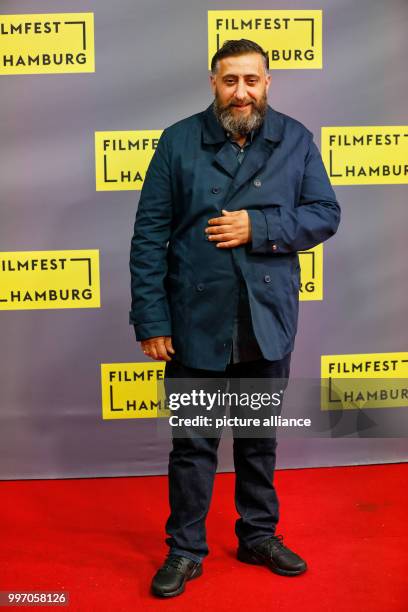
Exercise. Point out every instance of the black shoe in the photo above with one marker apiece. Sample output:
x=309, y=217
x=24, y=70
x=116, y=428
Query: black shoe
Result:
x=171, y=578
x=275, y=555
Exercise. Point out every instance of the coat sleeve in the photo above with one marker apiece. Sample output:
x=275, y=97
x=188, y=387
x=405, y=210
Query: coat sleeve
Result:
x=281, y=229
x=148, y=262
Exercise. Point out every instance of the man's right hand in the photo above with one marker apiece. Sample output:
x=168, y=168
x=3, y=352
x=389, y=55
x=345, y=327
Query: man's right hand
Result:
x=159, y=347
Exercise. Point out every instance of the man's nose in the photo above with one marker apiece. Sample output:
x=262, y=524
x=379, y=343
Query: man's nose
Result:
x=240, y=92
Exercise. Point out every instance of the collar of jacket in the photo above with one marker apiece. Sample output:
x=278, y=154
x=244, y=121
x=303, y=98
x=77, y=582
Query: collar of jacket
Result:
x=213, y=132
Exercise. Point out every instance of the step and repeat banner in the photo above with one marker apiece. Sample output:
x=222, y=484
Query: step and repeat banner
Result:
x=86, y=89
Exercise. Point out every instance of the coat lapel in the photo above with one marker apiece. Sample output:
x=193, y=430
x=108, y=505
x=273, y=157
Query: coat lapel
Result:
x=255, y=158
x=227, y=158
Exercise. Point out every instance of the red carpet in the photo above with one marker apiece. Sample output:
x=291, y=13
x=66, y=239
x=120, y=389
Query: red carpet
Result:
x=102, y=539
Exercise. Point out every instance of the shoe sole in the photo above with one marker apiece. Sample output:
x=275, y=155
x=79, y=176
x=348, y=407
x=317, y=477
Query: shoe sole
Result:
x=196, y=574
x=247, y=557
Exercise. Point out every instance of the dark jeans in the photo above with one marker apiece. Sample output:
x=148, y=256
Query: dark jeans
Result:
x=193, y=464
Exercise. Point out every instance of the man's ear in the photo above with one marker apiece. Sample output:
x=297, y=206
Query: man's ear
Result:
x=212, y=82
x=268, y=81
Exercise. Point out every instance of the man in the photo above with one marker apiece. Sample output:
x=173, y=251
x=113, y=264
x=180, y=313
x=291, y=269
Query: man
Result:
x=230, y=196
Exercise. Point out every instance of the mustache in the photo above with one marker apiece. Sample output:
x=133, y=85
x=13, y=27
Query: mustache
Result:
x=239, y=104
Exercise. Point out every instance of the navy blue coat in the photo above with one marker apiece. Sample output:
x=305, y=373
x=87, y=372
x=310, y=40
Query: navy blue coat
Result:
x=182, y=284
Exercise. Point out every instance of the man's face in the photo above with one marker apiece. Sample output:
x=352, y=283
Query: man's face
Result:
x=240, y=88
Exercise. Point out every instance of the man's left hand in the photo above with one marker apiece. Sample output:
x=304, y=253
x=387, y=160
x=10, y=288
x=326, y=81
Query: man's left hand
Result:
x=230, y=230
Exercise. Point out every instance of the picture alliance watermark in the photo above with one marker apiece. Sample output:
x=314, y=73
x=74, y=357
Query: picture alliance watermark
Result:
x=221, y=422
x=209, y=400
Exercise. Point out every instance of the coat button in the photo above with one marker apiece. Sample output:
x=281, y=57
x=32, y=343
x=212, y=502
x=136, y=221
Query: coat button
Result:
x=200, y=287
x=274, y=247
x=267, y=278
x=216, y=190
x=257, y=182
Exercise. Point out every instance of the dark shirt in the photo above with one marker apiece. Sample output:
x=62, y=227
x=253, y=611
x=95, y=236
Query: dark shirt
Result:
x=244, y=346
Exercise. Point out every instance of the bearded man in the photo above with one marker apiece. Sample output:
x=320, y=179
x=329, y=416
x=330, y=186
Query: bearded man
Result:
x=230, y=197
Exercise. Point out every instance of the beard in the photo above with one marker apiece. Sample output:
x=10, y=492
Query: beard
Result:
x=241, y=125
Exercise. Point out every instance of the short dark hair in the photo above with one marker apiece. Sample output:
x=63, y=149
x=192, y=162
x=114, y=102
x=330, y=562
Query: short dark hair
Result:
x=238, y=47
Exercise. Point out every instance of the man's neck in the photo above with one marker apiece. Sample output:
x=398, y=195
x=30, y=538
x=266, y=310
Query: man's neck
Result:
x=239, y=138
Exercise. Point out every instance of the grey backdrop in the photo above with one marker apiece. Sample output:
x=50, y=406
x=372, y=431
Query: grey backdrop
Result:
x=151, y=70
